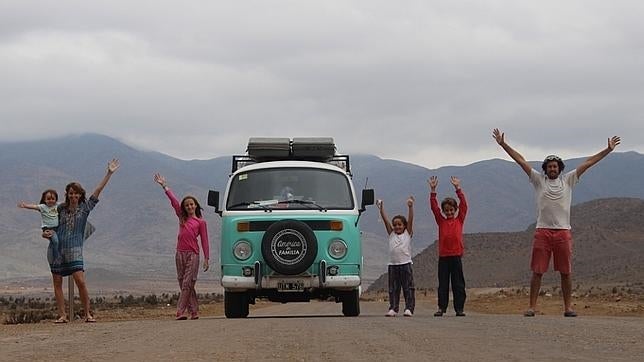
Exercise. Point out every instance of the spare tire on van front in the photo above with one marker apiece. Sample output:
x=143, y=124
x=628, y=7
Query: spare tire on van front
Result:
x=289, y=247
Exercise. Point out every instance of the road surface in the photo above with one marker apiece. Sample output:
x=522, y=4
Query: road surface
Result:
x=317, y=332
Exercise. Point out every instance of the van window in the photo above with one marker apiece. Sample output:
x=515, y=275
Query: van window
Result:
x=290, y=188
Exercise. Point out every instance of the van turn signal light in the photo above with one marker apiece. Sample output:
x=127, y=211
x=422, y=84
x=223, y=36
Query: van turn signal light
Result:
x=335, y=225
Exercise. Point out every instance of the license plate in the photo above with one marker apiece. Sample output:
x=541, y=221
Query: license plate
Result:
x=290, y=286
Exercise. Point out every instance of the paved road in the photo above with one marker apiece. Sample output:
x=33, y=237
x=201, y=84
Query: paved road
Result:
x=317, y=332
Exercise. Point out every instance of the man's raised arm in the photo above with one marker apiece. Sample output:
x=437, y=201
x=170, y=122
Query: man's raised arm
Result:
x=516, y=156
x=612, y=143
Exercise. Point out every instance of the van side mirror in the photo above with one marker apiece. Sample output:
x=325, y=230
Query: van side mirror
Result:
x=367, y=197
x=213, y=200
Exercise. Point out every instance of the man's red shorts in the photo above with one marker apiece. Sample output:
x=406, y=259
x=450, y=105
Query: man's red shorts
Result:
x=557, y=242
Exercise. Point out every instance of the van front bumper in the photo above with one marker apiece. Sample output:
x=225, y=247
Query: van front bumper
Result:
x=239, y=283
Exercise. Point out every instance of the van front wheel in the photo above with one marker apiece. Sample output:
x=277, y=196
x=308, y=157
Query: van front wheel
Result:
x=351, y=303
x=236, y=304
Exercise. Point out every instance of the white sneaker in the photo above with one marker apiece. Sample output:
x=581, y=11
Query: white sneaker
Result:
x=391, y=313
x=408, y=313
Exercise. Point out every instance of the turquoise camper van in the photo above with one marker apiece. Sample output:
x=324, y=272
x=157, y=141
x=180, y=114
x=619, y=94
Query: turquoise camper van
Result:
x=289, y=229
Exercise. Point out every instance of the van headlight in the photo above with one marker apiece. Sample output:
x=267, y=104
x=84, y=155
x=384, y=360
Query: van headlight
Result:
x=337, y=249
x=242, y=250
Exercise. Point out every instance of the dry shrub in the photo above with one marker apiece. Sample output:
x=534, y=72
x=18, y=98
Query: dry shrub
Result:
x=28, y=316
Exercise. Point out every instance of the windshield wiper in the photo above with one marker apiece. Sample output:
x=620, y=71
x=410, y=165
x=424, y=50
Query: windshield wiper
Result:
x=254, y=203
x=304, y=202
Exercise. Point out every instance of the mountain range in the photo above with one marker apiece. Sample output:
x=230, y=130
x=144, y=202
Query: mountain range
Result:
x=136, y=228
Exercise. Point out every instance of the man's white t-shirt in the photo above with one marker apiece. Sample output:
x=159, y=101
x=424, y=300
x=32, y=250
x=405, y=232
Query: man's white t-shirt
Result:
x=399, y=248
x=553, y=198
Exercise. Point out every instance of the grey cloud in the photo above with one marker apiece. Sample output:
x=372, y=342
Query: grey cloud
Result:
x=399, y=80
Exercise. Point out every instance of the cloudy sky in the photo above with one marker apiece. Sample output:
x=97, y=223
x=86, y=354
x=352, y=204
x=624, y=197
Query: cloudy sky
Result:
x=420, y=81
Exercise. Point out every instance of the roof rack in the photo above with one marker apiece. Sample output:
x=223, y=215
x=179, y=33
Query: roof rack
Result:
x=317, y=149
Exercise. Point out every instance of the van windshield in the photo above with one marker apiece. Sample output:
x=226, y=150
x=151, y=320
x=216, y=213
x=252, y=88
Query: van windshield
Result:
x=290, y=188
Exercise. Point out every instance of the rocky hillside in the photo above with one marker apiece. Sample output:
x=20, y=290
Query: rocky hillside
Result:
x=608, y=247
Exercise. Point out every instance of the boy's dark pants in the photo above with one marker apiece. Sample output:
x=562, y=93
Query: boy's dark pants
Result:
x=451, y=267
x=401, y=276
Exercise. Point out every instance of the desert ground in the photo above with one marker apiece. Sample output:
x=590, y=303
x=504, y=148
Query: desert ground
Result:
x=610, y=326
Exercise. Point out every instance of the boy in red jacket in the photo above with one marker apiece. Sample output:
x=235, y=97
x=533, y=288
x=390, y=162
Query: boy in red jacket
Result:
x=450, y=246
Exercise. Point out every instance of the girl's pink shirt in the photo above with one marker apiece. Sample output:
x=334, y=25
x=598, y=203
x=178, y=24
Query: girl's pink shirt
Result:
x=189, y=230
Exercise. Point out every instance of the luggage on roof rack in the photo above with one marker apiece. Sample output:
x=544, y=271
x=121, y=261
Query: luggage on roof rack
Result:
x=316, y=148
x=302, y=148
x=264, y=148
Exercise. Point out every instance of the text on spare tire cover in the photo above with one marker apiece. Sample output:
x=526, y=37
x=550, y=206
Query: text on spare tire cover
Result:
x=288, y=247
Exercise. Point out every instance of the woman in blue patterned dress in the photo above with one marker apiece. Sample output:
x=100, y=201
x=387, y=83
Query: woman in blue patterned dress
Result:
x=72, y=216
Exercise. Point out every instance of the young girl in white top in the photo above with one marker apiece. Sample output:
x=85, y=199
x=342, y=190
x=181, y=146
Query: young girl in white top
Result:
x=48, y=208
x=400, y=272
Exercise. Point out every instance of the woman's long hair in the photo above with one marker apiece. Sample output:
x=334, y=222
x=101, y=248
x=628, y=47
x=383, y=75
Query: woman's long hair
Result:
x=77, y=188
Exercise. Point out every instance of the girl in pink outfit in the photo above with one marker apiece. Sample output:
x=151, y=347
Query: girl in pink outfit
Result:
x=191, y=226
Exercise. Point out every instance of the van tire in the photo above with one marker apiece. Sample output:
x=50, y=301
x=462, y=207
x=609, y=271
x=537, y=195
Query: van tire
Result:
x=291, y=231
x=236, y=304
x=351, y=303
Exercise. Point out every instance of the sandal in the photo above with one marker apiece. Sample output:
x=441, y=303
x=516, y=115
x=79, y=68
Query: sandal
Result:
x=181, y=318
x=194, y=317
x=570, y=313
x=90, y=319
x=528, y=313
x=61, y=320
